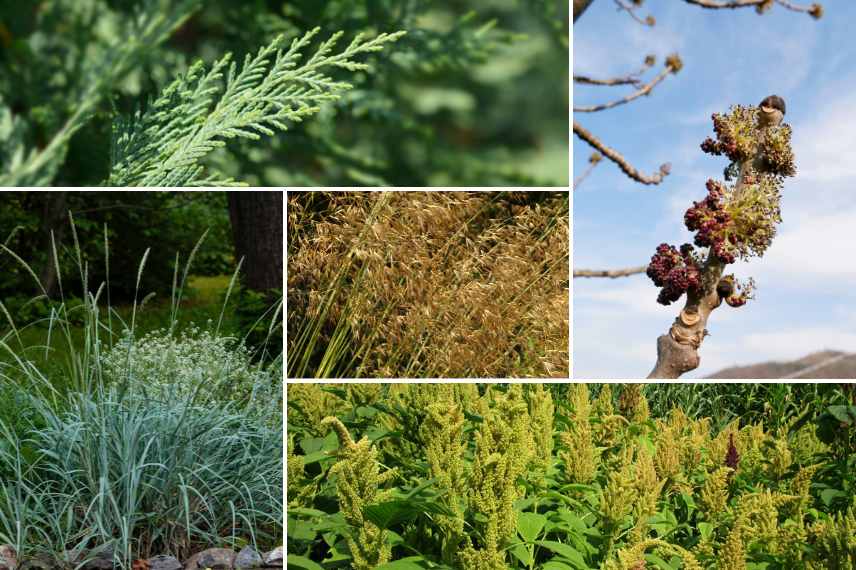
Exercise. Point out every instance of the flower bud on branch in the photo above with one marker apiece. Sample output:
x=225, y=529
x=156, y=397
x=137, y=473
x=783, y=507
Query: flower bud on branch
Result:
x=737, y=219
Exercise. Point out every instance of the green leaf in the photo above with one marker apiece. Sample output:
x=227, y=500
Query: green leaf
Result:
x=829, y=495
x=663, y=523
x=365, y=412
x=301, y=530
x=557, y=565
x=564, y=550
x=844, y=414
x=392, y=513
x=409, y=563
x=295, y=561
x=705, y=529
x=315, y=457
x=522, y=553
x=654, y=559
x=530, y=525
x=311, y=445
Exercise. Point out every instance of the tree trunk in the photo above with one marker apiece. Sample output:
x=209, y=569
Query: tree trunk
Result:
x=257, y=229
x=54, y=221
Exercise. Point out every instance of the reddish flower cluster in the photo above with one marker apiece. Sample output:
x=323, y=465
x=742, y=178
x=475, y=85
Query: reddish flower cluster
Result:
x=710, y=221
x=675, y=271
x=732, y=457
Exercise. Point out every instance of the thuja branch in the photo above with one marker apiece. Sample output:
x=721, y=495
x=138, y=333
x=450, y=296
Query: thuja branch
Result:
x=616, y=157
x=200, y=111
x=154, y=24
x=736, y=220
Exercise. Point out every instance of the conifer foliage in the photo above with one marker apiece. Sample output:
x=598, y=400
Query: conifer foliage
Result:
x=130, y=92
x=162, y=145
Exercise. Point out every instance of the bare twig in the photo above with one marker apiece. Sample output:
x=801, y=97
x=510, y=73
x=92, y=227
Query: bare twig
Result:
x=629, y=79
x=580, y=6
x=647, y=21
x=610, y=273
x=594, y=160
x=814, y=10
x=616, y=157
x=673, y=65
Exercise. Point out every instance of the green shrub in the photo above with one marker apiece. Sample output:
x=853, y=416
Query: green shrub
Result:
x=194, y=365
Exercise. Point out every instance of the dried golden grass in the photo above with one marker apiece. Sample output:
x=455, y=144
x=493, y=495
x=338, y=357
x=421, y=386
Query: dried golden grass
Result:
x=428, y=284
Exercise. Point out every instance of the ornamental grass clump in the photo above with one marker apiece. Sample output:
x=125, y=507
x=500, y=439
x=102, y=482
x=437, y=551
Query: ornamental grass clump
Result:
x=135, y=447
x=428, y=284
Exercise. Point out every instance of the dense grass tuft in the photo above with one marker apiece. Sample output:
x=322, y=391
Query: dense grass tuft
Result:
x=428, y=284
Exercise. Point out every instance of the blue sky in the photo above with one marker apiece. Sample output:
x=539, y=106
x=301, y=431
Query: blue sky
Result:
x=806, y=296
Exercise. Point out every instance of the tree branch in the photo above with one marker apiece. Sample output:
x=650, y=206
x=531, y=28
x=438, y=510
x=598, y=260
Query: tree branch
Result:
x=610, y=273
x=814, y=10
x=594, y=160
x=580, y=6
x=629, y=79
x=647, y=21
x=673, y=65
x=622, y=163
x=762, y=160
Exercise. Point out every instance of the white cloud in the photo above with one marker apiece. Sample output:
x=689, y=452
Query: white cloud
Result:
x=627, y=47
x=627, y=296
x=816, y=247
x=824, y=142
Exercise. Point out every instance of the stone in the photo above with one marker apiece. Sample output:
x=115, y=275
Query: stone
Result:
x=164, y=562
x=100, y=562
x=8, y=557
x=213, y=558
x=99, y=559
x=38, y=563
x=248, y=558
x=274, y=557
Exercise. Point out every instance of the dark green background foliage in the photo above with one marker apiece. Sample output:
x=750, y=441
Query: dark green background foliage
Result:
x=475, y=93
x=166, y=222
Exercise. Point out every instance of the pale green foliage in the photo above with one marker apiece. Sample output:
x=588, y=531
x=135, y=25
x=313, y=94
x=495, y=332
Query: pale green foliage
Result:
x=156, y=21
x=145, y=474
x=200, y=111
